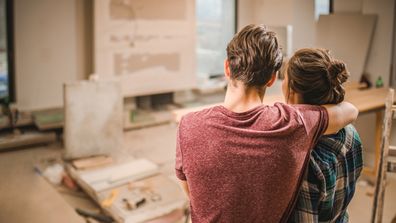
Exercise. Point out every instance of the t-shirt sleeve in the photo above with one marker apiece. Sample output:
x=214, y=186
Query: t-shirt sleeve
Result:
x=315, y=119
x=179, y=156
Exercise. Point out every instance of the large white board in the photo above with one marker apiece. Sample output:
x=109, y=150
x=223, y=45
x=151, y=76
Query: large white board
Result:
x=348, y=36
x=149, y=45
x=93, y=118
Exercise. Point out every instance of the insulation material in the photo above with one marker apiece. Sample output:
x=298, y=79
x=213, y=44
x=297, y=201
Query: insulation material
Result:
x=93, y=118
x=148, y=45
x=109, y=177
x=348, y=37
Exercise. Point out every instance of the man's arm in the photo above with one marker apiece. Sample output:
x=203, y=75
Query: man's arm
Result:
x=340, y=115
x=184, y=185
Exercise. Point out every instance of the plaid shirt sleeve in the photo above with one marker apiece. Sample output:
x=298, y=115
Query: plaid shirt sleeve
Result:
x=329, y=181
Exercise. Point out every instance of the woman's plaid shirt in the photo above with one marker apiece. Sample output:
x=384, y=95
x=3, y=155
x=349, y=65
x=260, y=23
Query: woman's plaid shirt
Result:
x=329, y=181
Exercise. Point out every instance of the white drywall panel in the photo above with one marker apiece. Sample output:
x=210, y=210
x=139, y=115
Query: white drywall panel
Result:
x=348, y=36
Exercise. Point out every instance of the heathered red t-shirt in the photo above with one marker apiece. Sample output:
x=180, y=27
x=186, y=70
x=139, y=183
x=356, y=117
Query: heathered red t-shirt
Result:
x=246, y=167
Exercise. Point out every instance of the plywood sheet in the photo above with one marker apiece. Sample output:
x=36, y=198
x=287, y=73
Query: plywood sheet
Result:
x=148, y=45
x=162, y=196
x=93, y=118
x=45, y=52
x=115, y=175
x=348, y=36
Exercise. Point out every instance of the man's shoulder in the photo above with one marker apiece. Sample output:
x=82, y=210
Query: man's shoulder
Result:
x=193, y=120
x=197, y=115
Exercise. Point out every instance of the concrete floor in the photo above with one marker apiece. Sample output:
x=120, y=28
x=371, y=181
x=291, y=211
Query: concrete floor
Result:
x=26, y=197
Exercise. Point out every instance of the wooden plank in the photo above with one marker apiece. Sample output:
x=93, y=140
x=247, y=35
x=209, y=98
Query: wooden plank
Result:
x=26, y=139
x=372, y=171
x=92, y=162
x=367, y=100
x=117, y=174
x=380, y=185
x=24, y=119
x=350, y=85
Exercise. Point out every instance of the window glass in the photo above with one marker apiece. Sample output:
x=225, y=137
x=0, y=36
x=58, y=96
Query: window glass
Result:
x=322, y=7
x=3, y=51
x=215, y=28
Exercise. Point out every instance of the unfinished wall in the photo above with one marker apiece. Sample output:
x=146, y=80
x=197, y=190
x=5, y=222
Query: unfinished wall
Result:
x=348, y=6
x=299, y=14
x=148, y=45
x=244, y=13
x=48, y=46
x=379, y=58
x=304, y=24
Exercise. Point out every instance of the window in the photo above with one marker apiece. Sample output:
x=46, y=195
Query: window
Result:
x=216, y=24
x=322, y=7
x=6, y=52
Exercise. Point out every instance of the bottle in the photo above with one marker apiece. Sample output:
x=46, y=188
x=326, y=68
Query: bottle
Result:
x=379, y=83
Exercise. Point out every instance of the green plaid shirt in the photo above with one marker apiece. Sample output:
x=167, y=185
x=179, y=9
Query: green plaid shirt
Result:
x=329, y=181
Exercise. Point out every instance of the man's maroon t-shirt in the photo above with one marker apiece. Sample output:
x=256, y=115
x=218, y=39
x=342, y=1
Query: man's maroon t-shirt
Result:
x=246, y=167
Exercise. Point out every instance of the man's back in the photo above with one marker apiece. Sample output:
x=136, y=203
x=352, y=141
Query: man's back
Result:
x=246, y=167
x=329, y=182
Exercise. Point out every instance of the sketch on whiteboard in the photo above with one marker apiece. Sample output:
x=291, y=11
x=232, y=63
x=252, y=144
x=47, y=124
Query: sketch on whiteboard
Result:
x=148, y=9
x=148, y=45
x=137, y=62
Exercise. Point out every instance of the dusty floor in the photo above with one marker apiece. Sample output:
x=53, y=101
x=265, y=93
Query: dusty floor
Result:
x=26, y=197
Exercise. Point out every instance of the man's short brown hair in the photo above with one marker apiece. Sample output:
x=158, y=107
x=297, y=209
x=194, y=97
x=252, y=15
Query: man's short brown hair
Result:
x=254, y=55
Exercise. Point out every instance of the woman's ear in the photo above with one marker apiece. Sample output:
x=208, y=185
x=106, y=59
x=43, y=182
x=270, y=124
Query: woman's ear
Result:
x=271, y=81
x=227, y=72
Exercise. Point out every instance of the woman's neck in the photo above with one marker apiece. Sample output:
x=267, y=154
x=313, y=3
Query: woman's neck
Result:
x=240, y=99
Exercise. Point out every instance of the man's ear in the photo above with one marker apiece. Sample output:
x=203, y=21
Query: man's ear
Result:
x=227, y=71
x=271, y=81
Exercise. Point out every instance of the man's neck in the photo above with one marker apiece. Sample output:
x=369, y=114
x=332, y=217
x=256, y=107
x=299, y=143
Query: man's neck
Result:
x=240, y=99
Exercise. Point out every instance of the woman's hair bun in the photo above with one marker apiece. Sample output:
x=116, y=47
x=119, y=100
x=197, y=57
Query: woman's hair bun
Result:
x=338, y=72
x=337, y=75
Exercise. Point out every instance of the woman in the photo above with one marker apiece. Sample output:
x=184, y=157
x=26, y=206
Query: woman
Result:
x=315, y=77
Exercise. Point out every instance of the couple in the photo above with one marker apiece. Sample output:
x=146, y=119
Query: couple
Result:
x=248, y=162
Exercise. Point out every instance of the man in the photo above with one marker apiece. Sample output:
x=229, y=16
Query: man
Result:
x=243, y=161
